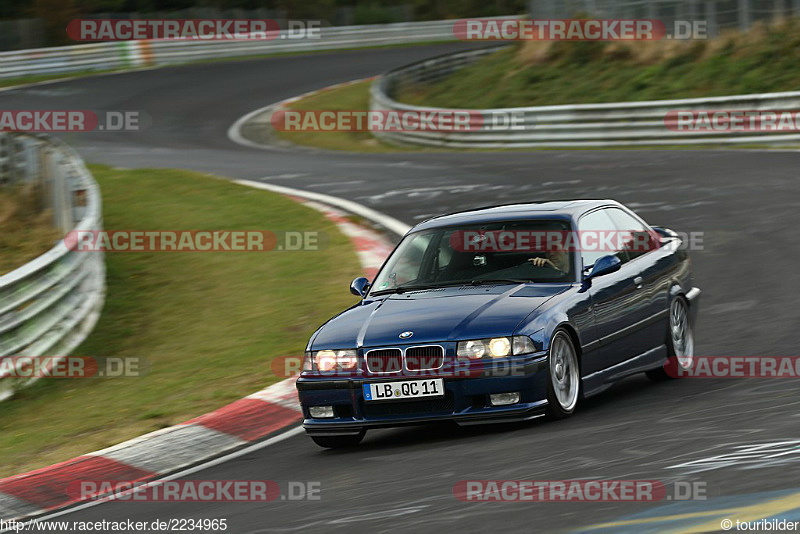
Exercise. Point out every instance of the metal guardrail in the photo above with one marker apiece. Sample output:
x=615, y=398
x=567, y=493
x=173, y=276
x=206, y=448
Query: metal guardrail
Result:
x=578, y=125
x=130, y=54
x=49, y=305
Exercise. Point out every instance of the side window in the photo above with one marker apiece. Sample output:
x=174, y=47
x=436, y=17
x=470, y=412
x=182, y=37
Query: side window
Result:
x=597, y=223
x=636, y=238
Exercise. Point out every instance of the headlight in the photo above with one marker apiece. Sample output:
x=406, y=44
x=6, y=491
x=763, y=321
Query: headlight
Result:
x=522, y=345
x=472, y=349
x=331, y=360
x=497, y=347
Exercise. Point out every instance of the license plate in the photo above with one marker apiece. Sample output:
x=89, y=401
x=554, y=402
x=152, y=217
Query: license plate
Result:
x=407, y=389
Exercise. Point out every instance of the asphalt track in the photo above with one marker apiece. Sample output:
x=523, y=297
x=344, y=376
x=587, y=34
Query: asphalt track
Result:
x=745, y=203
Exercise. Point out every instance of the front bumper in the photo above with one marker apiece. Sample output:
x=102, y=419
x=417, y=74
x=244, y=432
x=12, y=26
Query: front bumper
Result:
x=693, y=296
x=466, y=401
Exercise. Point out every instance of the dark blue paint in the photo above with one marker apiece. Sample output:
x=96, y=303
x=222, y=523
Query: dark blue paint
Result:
x=619, y=321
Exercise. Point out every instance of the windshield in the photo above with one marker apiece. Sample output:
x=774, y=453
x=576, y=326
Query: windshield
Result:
x=512, y=251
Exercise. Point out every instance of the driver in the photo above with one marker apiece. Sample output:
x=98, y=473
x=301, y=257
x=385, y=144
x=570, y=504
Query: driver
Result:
x=556, y=258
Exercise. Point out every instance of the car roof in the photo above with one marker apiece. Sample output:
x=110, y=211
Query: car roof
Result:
x=551, y=209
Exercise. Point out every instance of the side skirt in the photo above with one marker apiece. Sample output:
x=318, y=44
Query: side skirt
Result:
x=602, y=380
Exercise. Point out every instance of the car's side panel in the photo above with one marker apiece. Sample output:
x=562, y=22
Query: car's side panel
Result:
x=618, y=304
x=571, y=309
x=666, y=274
x=657, y=271
x=603, y=379
x=619, y=309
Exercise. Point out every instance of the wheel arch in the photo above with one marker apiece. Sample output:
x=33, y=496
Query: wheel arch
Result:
x=573, y=335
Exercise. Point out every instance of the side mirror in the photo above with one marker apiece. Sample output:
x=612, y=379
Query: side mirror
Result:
x=359, y=287
x=604, y=265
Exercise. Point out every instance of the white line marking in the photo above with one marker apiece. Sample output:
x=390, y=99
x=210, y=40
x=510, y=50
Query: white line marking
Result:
x=390, y=223
x=234, y=132
x=285, y=176
x=76, y=77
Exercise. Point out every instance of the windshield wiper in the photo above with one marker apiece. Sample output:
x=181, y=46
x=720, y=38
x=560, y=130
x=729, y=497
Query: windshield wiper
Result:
x=418, y=287
x=482, y=281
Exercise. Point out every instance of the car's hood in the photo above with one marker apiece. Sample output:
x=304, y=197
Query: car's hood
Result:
x=434, y=315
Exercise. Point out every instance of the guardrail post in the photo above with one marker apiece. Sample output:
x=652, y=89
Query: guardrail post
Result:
x=532, y=11
x=781, y=9
x=17, y=159
x=744, y=14
x=652, y=11
x=545, y=9
x=31, y=155
x=63, y=206
x=692, y=10
x=55, y=187
x=711, y=18
x=5, y=160
x=77, y=196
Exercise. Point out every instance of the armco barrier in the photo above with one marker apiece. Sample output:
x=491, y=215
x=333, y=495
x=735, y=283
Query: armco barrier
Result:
x=120, y=55
x=579, y=125
x=49, y=305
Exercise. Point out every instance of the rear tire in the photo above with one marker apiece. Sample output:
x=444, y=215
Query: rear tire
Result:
x=339, y=442
x=563, y=372
x=680, y=342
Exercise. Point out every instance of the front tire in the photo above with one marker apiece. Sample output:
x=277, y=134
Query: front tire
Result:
x=680, y=342
x=564, y=382
x=339, y=442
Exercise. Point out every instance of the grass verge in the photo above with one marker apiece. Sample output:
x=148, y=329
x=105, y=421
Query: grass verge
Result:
x=27, y=230
x=764, y=59
x=207, y=323
x=345, y=98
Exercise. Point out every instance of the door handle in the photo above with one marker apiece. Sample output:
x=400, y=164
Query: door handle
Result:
x=638, y=281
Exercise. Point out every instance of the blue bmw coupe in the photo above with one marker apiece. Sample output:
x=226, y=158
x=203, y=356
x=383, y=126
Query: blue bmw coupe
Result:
x=499, y=314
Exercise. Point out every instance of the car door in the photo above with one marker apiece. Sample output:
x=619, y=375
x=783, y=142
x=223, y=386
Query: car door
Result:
x=617, y=304
x=651, y=268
